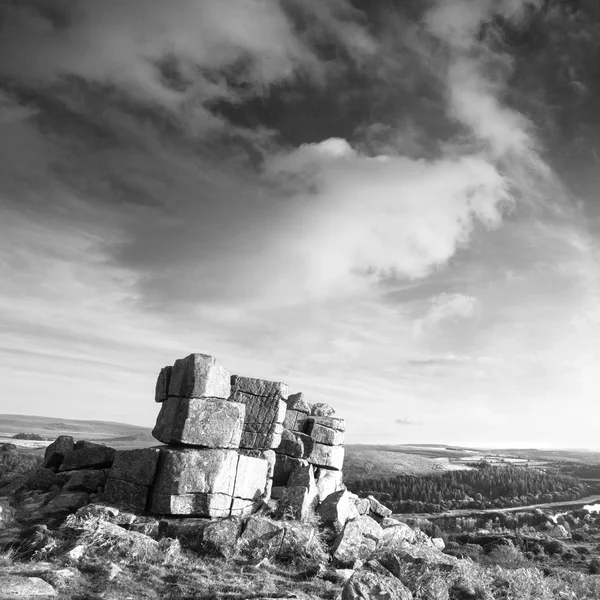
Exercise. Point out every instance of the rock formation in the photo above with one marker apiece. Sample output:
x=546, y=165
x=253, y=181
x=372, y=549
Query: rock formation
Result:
x=231, y=442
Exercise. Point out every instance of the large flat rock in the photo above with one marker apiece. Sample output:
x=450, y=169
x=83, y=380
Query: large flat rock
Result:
x=196, y=471
x=330, y=457
x=207, y=422
x=137, y=466
x=88, y=456
x=14, y=587
x=199, y=376
x=265, y=410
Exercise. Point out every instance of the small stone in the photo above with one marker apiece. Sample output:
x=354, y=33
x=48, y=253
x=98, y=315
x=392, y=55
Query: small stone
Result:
x=88, y=456
x=162, y=384
x=297, y=402
x=331, y=457
x=199, y=376
x=320, y=409
x=207, y=422
x=377, y=508
x=438, y=543
x=56, y=451
x=76, y=552
x=136, y=466
x=126, y=494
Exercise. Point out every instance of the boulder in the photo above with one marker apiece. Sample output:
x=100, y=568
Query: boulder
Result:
x=136, y=466
x=320, y=409
x=97, y=511
x=374, y=582
x=398, y=535
x=290, y=444
x=199, y=376
x=331, y=457
x=207, y=422
x=126, y=494
x=298, y=403
x=220, y=537
x=56, y=451
x=377, y=508
x=295, y=503
x=328, y=482
x=277, y=491
x=438, y=544
x=23, y=588
x=295, y=420
x=263, y=536
x=161, y=392
x=325, y=435
x=86, y=480
x=357, y=541
x=336, y=509
x=88, y=456
x=37, y=479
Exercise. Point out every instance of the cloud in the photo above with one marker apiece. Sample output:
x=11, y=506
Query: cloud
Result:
x=449, y=307
x=11, y=111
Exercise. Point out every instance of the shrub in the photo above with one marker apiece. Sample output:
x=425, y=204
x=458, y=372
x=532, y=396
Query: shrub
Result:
x=13, y=464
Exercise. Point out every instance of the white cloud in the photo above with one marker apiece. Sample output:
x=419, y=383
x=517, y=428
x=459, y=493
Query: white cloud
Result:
x=387, y=216
x=448, y=307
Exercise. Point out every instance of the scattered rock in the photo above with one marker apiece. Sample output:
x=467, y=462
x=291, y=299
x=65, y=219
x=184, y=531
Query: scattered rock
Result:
x=221, y=537
x=357, y=541
x=378, y=509
x=320, y=409
x=298, y=403
x=336, y=509
x=263, y=536
x=15, y=586
x=57, y=450
x=374, y=582
x=67, y=502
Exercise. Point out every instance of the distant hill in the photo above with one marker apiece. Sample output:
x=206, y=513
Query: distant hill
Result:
x=108, y=432
x=366, y=461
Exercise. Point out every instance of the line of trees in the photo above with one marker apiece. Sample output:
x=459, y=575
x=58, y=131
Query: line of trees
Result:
x=483, y=487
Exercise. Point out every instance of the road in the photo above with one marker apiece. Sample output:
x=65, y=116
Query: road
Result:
x=465, y=512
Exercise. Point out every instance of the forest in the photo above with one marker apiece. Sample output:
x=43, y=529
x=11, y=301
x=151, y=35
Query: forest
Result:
x=485, y=486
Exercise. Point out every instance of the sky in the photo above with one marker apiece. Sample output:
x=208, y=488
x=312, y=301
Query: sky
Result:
x=391, y=206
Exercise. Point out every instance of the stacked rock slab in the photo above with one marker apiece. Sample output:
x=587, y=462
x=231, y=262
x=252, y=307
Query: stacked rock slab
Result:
x=227, y=441
x=312, y=439
x=201, y=470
